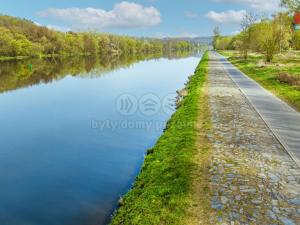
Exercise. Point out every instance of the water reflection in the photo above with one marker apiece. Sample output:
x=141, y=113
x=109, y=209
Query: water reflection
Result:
x=15, y=74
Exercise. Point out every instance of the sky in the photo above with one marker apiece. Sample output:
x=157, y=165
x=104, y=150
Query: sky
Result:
x=142, y=18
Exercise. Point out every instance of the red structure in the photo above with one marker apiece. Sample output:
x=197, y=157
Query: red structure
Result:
x=297, y=18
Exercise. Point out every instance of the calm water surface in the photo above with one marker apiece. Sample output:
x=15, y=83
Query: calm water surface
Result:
x=71, y=142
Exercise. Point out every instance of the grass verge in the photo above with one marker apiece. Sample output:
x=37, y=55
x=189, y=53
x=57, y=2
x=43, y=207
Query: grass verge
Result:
x=275, y=76
x=199, y=211
x=163, y=192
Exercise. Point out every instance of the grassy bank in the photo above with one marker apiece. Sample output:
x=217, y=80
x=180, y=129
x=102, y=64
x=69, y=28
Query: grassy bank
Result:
x=163, y=192
x=282, y=76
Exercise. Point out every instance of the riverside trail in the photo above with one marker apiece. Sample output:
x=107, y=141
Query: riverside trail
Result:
x=254, y=179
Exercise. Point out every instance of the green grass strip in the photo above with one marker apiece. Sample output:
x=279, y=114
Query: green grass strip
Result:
x=161, y=192
x=267, y=76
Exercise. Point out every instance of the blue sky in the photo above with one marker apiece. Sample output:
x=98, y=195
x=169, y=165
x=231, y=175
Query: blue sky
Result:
x=154, y=18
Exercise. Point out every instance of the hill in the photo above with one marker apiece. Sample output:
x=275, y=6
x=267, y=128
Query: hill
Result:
x=22, y=37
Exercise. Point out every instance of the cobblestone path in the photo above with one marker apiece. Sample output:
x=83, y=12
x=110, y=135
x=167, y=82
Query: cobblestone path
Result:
x=254, y=180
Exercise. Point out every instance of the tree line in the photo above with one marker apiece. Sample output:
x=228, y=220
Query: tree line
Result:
x=267, y=36
x=21, y=37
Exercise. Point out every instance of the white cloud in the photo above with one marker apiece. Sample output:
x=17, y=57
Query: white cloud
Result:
x=190, y=15
x=123, y=15
x=228, y=17
x=260, y=5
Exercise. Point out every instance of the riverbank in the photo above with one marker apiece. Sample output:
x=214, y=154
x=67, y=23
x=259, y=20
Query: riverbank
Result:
x=282, y=76
x=169, y=54
x=7, y=58
x=164, y=190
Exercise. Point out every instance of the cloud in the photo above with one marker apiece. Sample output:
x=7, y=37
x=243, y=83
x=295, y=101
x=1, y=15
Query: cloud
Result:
x=190, y=15
x=228, y=17
x=260, y=5
x=123, y=15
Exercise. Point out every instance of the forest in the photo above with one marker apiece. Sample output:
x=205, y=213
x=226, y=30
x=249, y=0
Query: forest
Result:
x=24, y=38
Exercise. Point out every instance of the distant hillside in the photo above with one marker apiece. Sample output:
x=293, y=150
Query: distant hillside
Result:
x=21, y=37
x=196, y=40
x=201, y=40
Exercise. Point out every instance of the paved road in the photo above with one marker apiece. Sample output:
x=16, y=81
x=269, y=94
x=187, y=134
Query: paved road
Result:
x=253, y=178
x=283, y=120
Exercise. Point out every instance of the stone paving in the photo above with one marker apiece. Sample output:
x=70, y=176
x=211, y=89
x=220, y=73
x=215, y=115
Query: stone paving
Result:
x=254, y=180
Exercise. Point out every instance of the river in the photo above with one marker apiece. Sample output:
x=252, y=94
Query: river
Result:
x=74, y=133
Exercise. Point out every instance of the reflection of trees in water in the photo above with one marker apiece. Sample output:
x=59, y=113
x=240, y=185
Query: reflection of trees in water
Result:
x=17, y=74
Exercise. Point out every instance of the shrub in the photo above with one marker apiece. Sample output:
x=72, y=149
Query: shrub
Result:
x=288, y=79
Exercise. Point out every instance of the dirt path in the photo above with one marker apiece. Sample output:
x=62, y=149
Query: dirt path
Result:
x=254, y=180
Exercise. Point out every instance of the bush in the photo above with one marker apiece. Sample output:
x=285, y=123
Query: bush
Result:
x=288, y=79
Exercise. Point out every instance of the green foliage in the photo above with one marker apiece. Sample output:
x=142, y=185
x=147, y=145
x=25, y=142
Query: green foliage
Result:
x=267, y=40
x=160, y=193
x=268, y=37
x=73, y=44
x=293, y=5
x=224, y=43
x=90, y=43
x=272, y=36
x=24, y=38
x=217, y=35
x=296, y=40
x=267, y=74
x=6, y=42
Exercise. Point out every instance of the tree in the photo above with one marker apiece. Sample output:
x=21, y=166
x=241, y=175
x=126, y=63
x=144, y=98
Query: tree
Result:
x=224, y=43
x=90, y=44
x=20, y=37
x=292, y=5
x=283, y=27
x=217, y=34
x=74, y=44
x=246, y=35
x=296, y=40
x=103, y=44
x=267, y=38
x=6, y=42
x=23, y=47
